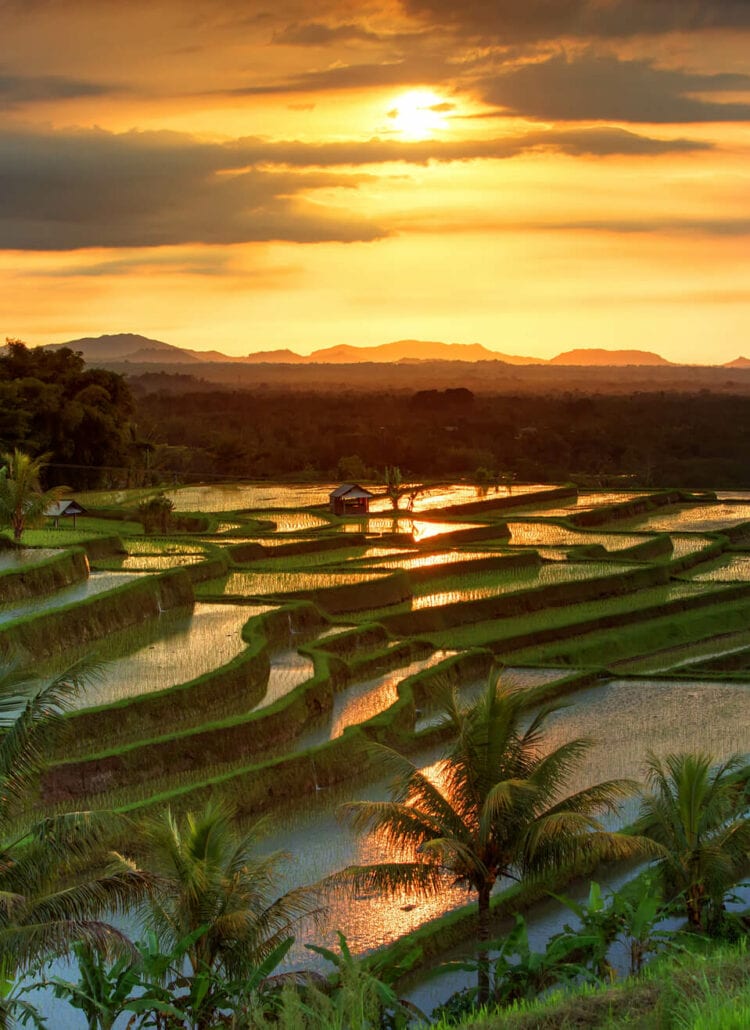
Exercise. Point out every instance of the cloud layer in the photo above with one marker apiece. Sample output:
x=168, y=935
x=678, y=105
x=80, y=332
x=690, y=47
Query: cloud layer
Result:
x=64, y=191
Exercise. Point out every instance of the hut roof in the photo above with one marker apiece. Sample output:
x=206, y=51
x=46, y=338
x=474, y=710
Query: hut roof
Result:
x=68, y=507
x=351, y=490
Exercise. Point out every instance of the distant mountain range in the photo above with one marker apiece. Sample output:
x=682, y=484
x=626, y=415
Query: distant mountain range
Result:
x=132, y=348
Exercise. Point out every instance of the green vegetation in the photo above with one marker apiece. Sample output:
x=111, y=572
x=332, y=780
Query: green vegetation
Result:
x=50, y=403
x=696, y=811
x=498, y=810
x=22, y=500
x=349, y=621
x=56, y=878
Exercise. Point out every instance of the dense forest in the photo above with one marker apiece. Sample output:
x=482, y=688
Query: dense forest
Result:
x=666, y=439
x=101, y=429
x=51, y=403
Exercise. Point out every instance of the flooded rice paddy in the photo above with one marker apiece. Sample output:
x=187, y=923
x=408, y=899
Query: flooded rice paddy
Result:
x=175, y=648
x=12, y=560
x=694, y=518
x=97, y=583
x=625, y=716
x=289, y=668
x=544, y=533
x=731, y=568
x=252, y=584
x=474, y=586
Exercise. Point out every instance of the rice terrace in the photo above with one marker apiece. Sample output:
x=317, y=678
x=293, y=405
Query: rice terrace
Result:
x=252, y=647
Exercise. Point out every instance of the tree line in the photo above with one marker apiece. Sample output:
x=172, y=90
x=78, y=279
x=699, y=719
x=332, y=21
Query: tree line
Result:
x=655, y=439
x=98, y=429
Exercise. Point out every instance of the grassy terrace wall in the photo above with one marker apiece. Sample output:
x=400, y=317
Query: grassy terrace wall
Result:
x=652, y=549
x=234, y=687
x=50, y=574
x=97, y=547
x=433, y=620
x=356, y=597
x=626, y=635
x=243, y=738
x=212, y=568
x=255, y=551
x=259, y=787
x=700, y=555
x=493, y=531
x=497, y=502
x=52, y=632
x=627, y=509
x=180, y=522
x=495, y=563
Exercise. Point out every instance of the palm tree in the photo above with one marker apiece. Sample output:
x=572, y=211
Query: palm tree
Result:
x=57, y=875
x=218, y=894
x=22, y=499
x=499, y=810
x=697, y=812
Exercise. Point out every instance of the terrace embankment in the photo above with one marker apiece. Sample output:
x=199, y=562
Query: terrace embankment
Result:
x=231, y=689
x=52, y=573
x=641, y=631
x=52, y=632
x=627, y=509
x=373, y=593
x=255, y=551
x=432, y=620
x=495, y=502
x=247, y=737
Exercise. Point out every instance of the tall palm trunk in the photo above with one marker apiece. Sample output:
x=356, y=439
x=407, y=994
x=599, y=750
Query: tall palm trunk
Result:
x=696, y=899
x=483, y=936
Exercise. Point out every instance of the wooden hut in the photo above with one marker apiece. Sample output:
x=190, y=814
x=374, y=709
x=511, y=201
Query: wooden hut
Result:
x=64, y=510
x=350, y=499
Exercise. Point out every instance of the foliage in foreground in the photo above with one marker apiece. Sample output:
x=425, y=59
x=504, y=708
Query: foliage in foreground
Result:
x=497, y=807
x=683, y=990
x=23, y=502
x=697, y=811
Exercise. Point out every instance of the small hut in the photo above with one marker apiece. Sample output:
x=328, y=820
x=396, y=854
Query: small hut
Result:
x=64, y=510
x=350, y=499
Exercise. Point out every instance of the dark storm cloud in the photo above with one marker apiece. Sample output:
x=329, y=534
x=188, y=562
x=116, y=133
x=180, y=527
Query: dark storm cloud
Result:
x=525, y=21
x=25, y=89
x=590, y=87
x=66, y=191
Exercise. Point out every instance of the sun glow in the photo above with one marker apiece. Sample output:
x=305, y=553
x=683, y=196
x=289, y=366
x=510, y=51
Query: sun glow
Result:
x=419, y=113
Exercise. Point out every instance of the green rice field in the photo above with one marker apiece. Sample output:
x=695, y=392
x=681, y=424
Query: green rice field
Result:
x=621, y=633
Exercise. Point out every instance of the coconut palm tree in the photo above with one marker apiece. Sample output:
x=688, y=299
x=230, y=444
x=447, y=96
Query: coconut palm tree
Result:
x=219, y=894
x=496, y=808
x=58, y=878
x=22, y=499
x=698, y=812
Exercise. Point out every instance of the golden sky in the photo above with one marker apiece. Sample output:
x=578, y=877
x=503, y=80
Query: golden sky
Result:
x=533, y=175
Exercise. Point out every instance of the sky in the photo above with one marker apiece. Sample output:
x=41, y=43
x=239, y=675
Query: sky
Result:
x=246, y=175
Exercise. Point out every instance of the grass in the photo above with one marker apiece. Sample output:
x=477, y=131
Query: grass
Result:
x=60, y=537
x=677, y=992
x=653, y=634
x=567, y=617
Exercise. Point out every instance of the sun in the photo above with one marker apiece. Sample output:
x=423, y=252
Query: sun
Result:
x=418, y=114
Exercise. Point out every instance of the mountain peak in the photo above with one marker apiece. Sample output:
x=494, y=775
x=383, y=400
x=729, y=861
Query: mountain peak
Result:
x=598, y=356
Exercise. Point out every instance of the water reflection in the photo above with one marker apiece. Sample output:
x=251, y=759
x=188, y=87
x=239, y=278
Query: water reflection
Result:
x=175, y=648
